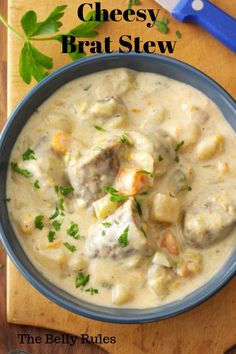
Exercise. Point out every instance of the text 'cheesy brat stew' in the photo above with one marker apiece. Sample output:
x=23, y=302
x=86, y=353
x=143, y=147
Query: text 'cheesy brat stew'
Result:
x=122, y=189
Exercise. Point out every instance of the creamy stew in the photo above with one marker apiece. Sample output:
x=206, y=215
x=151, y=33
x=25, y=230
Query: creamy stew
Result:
x=121, y=189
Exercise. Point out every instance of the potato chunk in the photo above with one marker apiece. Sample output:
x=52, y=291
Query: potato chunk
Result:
x=208, y=147
x=165, y=208
x=120, y=294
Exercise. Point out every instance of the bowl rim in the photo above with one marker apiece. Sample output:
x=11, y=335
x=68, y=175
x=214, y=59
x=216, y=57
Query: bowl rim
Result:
x=184, y=306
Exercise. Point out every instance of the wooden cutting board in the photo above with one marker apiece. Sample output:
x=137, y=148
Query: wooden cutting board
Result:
x=210, y=328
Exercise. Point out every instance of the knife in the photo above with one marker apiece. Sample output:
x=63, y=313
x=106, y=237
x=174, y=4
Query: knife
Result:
x=202, y=12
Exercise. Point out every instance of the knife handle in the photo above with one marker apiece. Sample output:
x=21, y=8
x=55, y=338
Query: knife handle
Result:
x=210, y=17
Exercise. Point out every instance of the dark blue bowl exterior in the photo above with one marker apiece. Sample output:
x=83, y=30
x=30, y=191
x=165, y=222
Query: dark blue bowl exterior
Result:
x=140, y=62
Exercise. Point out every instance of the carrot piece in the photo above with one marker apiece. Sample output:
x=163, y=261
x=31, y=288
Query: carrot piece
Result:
x=129, y=181
x=169, y=242
x=60, y=142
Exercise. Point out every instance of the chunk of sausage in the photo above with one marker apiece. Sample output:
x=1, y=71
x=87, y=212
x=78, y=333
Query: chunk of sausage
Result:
x=103, y=237
x=98, y=168
x=164, y=152
x=209, y=219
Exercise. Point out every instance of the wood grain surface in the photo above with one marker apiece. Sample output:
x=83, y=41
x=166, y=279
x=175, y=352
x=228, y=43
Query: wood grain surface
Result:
x=208, y=329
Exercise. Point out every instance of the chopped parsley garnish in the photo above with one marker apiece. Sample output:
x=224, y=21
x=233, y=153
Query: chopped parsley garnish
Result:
x=124, y=138
x=178, y=34
x=100, y=129
x=66, y=190
x=162, y=25
x=138, y=206
x=144, y=193
x=19, y=170
x=176, y=158
x=8, y=200
x=178, y=146
x=87, y=87
x=103, y=233
x=143, y=232
x=160, y=158
x=81, y=279
x=73, y=231
x=189, y=189
x=28, y=155
x=92, y=291
x=171, y=195
x=145, y=172
x=38, y=222
x=97, y=148
x=123, y=239
x=36, y=184
x=70, y=247
x=57, y=225
x=116, y=222
x=106, y=224
x=116, y=197
x=133, y=2
x=61, y=206
x=51, y=236
x=55, y=214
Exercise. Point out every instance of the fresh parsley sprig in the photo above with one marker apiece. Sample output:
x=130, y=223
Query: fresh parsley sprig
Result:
x=34, y=63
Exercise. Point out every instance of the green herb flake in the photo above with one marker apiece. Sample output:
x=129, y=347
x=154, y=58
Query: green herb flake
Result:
x=123, y=238
x=28, y=155
x=103, y=233
x=7, y=200
x=171, y=195
x=189, y=189
x=81, y=279
x=19, y=170
x=51, y=236
x=106, y=224
x=66, y=190
x=138, y=206
x=73, y=231
x=70, y=247
x=87, y=87
x=36, y=184
x=162, y=25
x=38, y=222
x=178, y=146
x=100, y=129
x=1, y=265
x=92, y=291
x=144, y=193
x=115, y=196
x=124, y=138
x=176, y=158
x=160, y=158
x=61, y=205
x=54, y=214
x=178, y=34
x=57, y=225
x=145, y=172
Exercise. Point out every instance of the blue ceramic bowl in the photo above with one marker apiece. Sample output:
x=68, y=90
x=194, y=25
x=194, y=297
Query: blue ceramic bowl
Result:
x=140, y=62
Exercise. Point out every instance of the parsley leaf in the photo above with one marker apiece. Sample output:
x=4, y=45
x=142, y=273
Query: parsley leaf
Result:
x=124, y=138
x=28, y=155
x=66, y=190
x=73, y=231
x=51, y=236
x=38, y=222
x=160, y=158
x=145, y=172
x=51, y=25
x=19, y=170
x=70, y=247
x=116, y=197
x=81, y=279
x=57, y=225
x=36, y=184
x=162, y=25
x=33, y=63
x=100, y=129
x=55, y=214
x=106, y=224
x=178, y=34
x=92, y=291
x=178, y=146
x=123, y=239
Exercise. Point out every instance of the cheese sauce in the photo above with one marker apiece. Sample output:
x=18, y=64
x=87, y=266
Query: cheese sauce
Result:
x=122, y=189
